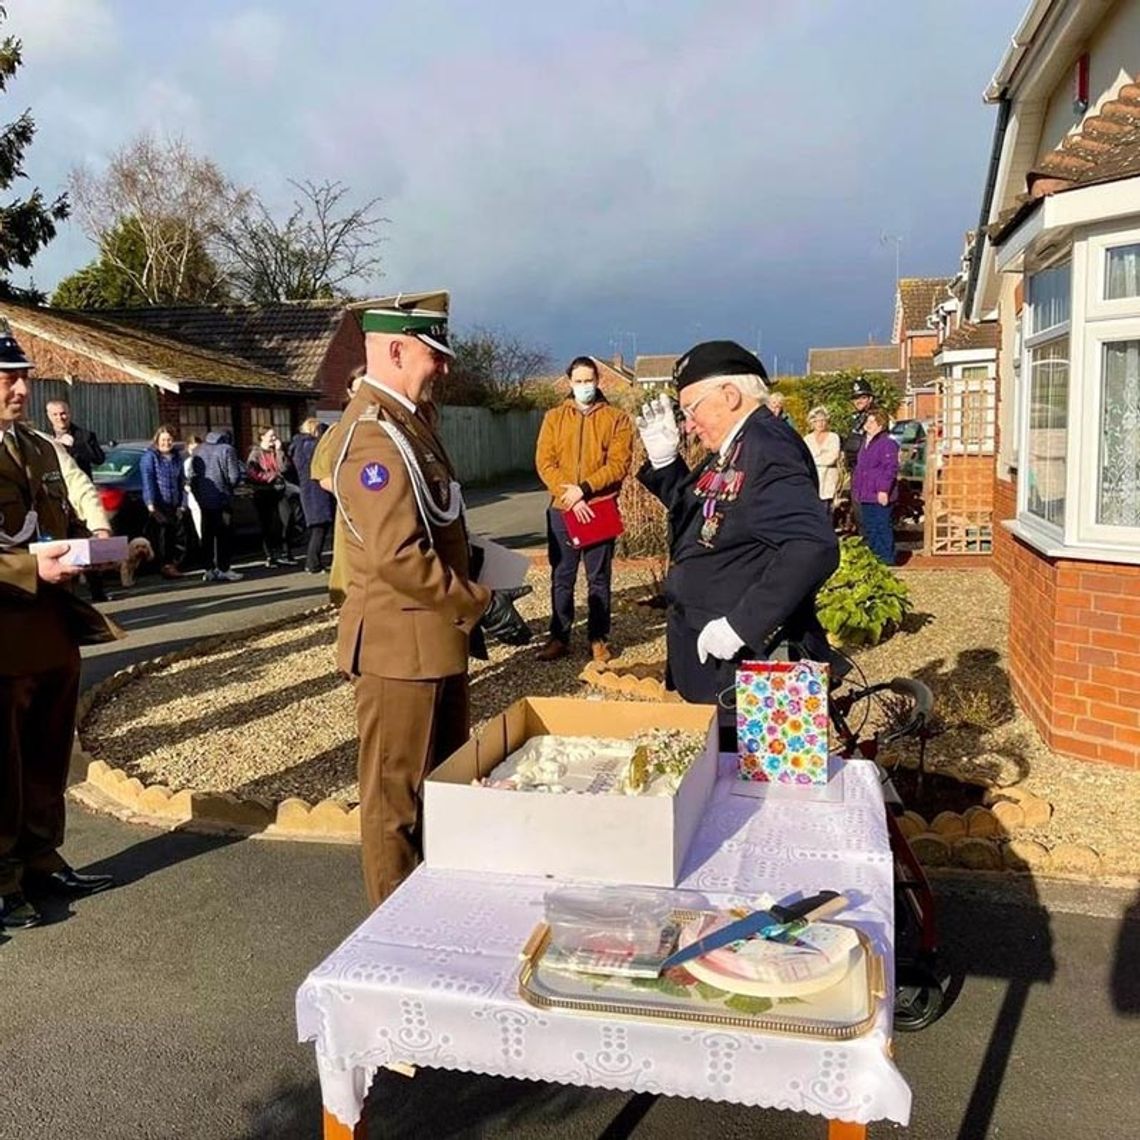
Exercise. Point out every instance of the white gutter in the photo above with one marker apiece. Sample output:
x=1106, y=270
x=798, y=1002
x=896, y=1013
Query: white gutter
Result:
x=1018, y=46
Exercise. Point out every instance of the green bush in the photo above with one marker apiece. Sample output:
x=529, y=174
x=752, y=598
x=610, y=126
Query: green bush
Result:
x=864, y=600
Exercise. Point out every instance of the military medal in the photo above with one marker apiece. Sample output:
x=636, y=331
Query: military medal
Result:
x=721, y=483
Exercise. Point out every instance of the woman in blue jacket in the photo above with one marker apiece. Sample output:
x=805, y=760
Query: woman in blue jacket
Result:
x=318, y=505
x=873, y=485
x=164, y=496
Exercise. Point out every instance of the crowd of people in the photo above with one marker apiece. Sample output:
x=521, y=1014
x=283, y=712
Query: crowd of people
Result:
x=750, y=528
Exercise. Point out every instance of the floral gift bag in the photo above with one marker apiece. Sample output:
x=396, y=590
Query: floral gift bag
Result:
x=781, y=721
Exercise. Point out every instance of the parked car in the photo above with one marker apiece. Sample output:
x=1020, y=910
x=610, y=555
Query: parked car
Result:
x=911, y=436
x=119, y=482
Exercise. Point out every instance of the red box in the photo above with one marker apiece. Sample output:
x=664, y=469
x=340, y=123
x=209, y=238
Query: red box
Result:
x=605, y=524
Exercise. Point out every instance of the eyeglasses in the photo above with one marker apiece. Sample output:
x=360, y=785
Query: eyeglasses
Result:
x=689, y=412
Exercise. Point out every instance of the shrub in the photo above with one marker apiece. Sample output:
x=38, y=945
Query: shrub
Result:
x=863, y=601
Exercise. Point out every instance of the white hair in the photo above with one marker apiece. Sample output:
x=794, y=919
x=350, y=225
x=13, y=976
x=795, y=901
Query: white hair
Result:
x=751, y=387
x=819, y=412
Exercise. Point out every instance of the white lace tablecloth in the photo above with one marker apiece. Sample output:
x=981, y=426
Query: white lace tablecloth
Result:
x=431, y=977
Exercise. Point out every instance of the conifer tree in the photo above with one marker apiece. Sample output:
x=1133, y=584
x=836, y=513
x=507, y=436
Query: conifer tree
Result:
x=26, y=224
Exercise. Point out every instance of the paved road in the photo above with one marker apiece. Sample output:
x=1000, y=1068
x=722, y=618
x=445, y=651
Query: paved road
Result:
x=164, y=1008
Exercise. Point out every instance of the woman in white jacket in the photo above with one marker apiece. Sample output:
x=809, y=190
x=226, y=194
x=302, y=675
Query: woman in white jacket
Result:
x=825, y=449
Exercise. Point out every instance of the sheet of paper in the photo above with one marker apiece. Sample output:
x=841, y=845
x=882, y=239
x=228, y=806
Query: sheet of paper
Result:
x=503, y=569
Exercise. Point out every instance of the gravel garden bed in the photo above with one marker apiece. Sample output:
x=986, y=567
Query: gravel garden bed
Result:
x=269, y=717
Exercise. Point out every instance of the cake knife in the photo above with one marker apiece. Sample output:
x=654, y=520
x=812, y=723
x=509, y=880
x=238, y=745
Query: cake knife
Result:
x=776, y=923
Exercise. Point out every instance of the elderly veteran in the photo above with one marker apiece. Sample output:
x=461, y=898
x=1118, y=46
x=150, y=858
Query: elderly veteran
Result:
x=43, y=626
x=412, y=607
x=749, y=542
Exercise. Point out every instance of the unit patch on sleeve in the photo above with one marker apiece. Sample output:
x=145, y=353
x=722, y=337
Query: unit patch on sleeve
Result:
x=374, y=477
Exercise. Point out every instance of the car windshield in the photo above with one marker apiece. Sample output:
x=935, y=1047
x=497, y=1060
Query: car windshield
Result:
x=907, y=431
x=117, y=463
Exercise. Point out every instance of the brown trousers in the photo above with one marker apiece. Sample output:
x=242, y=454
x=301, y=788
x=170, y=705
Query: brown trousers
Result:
x=37, y=725
x=406, y=728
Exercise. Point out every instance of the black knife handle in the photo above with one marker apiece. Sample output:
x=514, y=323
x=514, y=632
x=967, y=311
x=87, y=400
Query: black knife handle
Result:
x=801, y=909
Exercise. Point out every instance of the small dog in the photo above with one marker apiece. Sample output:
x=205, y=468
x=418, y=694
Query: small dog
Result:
x=139, y=550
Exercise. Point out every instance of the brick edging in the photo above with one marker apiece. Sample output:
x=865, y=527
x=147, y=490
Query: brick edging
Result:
x=111, y=791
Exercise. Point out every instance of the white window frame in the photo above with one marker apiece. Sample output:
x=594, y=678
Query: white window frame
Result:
x=1044, y=530
x=1093, y=323
x=1096, y=253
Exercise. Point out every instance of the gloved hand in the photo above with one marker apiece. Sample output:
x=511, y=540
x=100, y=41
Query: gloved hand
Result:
x=502, y=621
x=657, y=426
x=718, y=639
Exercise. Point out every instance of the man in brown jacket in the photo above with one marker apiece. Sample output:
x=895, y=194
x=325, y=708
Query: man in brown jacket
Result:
x=410, y=604
x=584, y=450
x=43, y=625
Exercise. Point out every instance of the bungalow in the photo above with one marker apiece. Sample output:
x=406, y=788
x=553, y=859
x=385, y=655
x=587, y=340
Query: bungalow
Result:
x=1057, y=267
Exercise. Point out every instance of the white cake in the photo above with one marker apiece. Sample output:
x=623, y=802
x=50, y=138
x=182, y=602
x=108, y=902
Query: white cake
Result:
x=652, y=763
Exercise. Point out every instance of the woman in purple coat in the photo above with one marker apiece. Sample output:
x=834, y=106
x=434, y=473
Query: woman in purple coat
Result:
x=873, y=486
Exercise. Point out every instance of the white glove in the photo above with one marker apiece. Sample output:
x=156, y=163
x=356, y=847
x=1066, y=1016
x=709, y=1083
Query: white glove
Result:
x=657, y=426
x=718, y=639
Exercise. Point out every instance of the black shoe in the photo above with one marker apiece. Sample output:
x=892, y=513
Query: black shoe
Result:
x=67, y=882
x=16, y=913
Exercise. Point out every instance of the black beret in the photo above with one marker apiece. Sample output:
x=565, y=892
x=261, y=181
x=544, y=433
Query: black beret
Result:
x=716, y=358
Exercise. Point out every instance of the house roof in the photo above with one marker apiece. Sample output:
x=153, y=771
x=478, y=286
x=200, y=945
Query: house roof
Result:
x=967, y=335
x=654, y=367
x=608, y=374
x=1104, y=148
x=858, y=358
x=289, y=339
x=152, y=358
x=921, y=372
x=918, y=296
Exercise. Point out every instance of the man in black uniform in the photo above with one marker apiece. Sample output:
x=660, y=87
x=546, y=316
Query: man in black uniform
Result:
x=749, y=542
x=862, y=396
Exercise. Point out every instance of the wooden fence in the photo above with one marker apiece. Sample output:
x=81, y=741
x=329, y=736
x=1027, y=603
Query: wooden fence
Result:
x=111, y=411
x=485, y=444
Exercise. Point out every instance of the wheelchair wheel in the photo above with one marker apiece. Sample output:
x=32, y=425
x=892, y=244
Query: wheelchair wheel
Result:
x=920, y=996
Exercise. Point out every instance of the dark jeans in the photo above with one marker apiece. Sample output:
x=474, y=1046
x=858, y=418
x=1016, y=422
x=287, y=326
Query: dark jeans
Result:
x=217, y=537
x=318, y=532
x=168, y=536
x=274, y=513
x=564, y=560
x=878, y=532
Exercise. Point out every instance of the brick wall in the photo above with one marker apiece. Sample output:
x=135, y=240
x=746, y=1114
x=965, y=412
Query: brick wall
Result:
x=345, y=352
x=1005, y=507
x=1074, y=652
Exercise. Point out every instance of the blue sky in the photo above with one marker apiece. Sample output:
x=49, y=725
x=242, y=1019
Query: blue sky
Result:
x=587, y=176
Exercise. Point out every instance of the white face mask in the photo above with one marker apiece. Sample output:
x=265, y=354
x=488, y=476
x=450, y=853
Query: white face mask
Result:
x=584, y=393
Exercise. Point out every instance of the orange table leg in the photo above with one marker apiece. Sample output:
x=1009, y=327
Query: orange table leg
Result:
x=334, y=1130
x=845, y=1130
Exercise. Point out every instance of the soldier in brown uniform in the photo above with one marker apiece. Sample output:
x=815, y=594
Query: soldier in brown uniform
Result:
x=411, y=605
x=43, y=626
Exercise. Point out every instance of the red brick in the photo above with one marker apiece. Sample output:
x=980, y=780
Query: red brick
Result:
x=1121, y=642
x=1108, y=622
x=1109, y=713
x=1102, y=583
x=1073, y=634
x=1115, y=604
x=1115, y=754
x=1129, y=624
x=1089, y=727
x=1078, y=598
x=1118, y=678
x=1127, y=736
x=1061, y=722
x=1075, y=705
x=1094, y=656
x=1076, y=746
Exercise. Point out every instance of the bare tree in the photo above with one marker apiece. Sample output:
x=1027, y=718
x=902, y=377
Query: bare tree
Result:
x=179, y=202
x=493, y=368
x=316, y=252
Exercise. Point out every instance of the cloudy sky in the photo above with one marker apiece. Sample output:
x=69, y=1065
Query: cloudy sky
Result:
x=590, y=176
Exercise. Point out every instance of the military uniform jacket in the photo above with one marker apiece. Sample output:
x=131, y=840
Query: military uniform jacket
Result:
x=774, y=546
x=41, y=624
x=410, y=606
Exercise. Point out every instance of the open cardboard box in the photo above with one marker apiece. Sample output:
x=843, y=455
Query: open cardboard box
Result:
x=610, y=838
